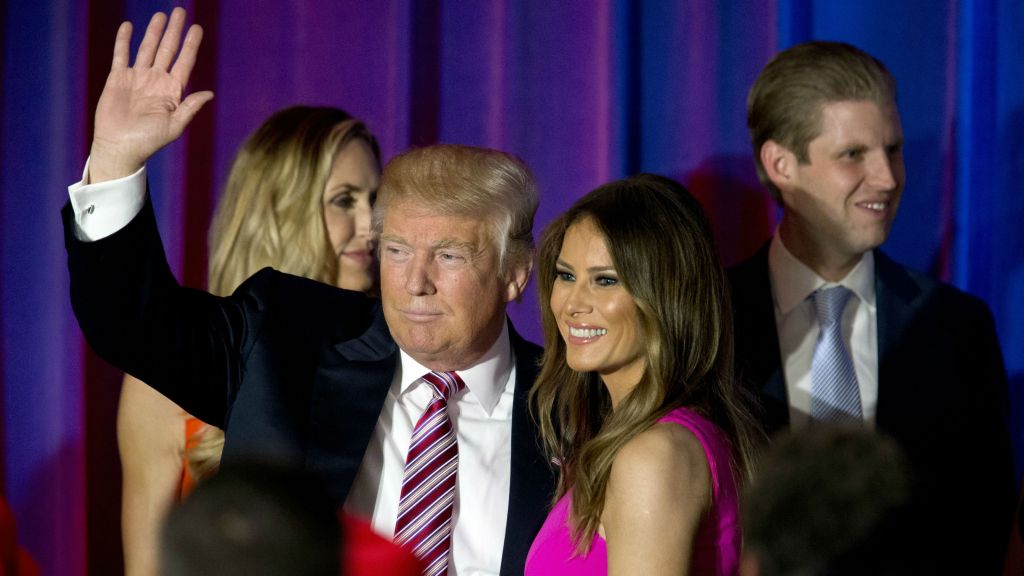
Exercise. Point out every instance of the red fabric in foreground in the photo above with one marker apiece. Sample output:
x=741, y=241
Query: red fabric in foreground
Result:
x=365, y=553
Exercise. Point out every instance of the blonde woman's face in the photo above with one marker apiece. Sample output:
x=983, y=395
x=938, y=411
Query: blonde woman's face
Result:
x=348, y=202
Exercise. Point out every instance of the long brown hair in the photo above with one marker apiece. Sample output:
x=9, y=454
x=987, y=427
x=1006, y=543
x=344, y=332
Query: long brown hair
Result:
x=661, y=246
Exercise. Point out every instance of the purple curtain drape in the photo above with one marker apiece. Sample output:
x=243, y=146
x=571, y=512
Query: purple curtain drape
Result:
x=583, y=91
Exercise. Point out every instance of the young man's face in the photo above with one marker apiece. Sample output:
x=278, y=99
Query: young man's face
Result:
x=842, y=201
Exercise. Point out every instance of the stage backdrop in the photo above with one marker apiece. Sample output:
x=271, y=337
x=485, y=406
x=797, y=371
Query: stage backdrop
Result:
x=583, y=91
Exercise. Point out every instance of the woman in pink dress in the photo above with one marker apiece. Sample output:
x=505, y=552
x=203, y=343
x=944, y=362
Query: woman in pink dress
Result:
x=635, y=399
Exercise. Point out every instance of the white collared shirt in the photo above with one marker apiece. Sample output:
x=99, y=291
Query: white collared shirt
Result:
x=481, y=415
x=482, y=419
x=792, y=283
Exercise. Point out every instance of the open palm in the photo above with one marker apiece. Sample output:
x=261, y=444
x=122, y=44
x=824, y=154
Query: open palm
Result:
x=141, y=109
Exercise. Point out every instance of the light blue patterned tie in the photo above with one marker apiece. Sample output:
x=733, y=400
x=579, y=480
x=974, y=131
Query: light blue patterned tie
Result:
x=835, y=396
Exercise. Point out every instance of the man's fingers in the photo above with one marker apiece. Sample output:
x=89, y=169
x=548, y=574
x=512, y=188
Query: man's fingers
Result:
x=147, y=49
x=187, y=59
x=121, y=43
x=188, y=109
x=168, y=47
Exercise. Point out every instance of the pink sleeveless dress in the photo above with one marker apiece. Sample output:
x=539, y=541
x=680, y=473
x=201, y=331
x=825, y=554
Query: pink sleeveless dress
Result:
x=717, y=546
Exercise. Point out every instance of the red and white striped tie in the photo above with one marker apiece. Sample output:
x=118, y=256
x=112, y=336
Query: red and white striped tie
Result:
x=428, y=490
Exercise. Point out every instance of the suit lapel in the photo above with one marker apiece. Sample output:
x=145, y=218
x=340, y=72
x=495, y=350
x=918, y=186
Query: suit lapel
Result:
x=897, y=296
x=349, y=389
x=757, y=344
x=532, y=483
x=348, y=394
x=757, y=339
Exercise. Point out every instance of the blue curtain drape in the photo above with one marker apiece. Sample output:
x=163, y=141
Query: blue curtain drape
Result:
x=583, y=91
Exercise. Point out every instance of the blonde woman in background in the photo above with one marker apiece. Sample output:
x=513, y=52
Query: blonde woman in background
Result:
x=298, y=199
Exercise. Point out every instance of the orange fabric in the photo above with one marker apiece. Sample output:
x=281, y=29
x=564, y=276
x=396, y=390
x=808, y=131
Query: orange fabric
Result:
x=193, y=426
x=365, y=553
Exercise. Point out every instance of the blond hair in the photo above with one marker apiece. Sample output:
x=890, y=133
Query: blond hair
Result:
x=467, y=181
x=661, y=246
x=785, y=102
x=271, y=214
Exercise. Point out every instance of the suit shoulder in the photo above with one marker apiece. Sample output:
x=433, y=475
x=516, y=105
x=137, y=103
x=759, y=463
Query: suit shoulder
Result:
x=271, y=282
x=530, y=349
x=749, y=278
x=932, y=298
x=940, y=293
x=527, y=358
x=305, y=301
x=746, y=269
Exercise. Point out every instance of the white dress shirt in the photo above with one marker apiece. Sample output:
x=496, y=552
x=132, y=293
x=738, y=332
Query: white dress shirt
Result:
x=104, y=208
x=482, y=419
x=792, y=284
x=481, y=415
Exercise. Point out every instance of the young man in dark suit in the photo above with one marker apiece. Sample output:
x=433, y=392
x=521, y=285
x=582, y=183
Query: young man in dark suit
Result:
x=340, y=383
x=830, y=328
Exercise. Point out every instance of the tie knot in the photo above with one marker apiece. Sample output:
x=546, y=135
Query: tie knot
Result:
x=445, y=384
x=829, y=304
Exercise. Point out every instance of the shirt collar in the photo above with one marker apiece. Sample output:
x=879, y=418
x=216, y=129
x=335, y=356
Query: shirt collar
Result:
x=793, y=281
x=486, y=380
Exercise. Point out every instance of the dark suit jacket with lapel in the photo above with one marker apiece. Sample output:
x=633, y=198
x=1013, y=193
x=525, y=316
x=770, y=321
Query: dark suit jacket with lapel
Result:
x=942, y=394
x=292, y=369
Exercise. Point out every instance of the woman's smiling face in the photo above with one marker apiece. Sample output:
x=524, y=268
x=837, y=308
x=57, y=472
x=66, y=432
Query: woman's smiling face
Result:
x=597, y=317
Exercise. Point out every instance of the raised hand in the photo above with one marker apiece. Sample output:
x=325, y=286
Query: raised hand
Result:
x=141, y=109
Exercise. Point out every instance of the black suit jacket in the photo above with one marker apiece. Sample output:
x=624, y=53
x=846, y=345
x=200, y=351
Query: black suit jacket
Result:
x=942, y=394
x=292, y=369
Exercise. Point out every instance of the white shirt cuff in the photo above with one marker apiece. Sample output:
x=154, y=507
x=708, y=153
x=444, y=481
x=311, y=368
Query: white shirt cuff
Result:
x=104, y=208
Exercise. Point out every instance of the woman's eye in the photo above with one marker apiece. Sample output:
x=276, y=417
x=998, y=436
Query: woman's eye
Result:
x=606, y=281
x=564, y=276
x=344, y=201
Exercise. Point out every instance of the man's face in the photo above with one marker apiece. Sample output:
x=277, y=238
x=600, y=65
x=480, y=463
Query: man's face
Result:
x=443, y=299
x=842, y=202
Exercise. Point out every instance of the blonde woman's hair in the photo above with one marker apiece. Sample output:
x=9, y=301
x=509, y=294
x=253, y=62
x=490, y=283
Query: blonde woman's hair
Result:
x=271, y=214
x=467, y=181
x=662, y=249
